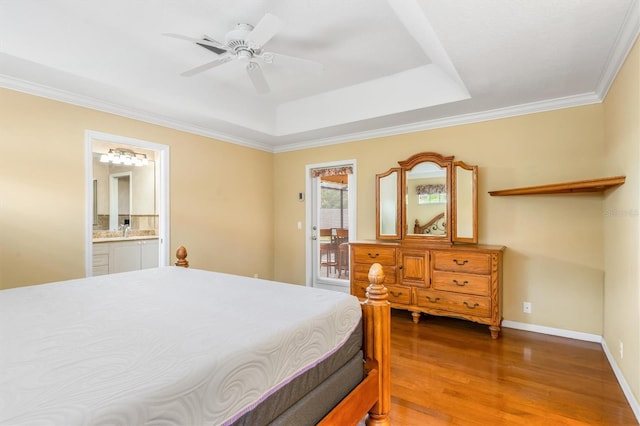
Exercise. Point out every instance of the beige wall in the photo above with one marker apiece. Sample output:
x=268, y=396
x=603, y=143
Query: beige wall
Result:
x=554, y=256
x=225, y=210
x=221, y=194
x=621, y=228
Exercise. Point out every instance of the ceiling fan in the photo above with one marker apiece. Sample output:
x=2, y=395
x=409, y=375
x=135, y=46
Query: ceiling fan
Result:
x=245, y=43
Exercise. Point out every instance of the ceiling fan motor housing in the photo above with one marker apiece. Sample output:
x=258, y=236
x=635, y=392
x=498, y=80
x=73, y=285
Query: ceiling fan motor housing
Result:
x=236, y=40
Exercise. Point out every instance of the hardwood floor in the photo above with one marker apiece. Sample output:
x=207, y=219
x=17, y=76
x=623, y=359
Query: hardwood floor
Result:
x=450, y=372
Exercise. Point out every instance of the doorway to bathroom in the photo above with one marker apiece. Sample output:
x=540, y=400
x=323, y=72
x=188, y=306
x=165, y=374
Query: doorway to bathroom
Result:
x=127, y=202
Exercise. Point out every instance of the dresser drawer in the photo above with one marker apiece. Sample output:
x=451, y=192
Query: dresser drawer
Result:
x=462, y=261
x=359, y=288
x=397, y=293
x=373, y=254
x=461, y=283
x=453, y=302
x=360, y=273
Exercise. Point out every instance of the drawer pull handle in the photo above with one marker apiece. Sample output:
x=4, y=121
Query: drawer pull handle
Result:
x=395, y=294
x=475, y=305
x=373, y=256
x=460, y=263
x=434, y=300
x=460, y=284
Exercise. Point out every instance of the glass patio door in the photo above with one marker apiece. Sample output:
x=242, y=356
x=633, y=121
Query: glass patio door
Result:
x=331, y=215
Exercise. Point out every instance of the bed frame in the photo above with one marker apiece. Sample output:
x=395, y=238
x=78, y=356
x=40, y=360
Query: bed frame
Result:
x=372, y=397
x=435, y=226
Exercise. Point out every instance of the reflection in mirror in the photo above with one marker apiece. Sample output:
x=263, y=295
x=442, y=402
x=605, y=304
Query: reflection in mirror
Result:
x=465, y=203
x=426, y=200
x=387, y=204
x=120, y=194
x=124, y=192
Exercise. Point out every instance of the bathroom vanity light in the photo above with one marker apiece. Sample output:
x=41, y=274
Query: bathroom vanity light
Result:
x=125, y=157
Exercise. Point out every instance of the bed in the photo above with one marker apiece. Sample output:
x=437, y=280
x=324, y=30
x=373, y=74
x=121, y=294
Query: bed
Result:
x=177, y=345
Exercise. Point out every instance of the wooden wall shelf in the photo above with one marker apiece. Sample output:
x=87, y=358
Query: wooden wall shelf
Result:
x=593, y=185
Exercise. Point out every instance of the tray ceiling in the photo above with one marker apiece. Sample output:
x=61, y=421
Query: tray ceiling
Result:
x=388, y=66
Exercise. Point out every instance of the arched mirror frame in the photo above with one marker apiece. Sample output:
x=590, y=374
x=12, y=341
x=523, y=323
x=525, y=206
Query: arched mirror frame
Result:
x=408, y=165
x=453, y=233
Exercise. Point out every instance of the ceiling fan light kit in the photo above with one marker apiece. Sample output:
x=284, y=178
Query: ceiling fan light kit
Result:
x=245, y=43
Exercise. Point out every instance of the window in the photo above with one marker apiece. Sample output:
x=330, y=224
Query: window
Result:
x=432, y=194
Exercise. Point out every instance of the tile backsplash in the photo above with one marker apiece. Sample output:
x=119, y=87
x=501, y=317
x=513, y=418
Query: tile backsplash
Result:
x=138, y=222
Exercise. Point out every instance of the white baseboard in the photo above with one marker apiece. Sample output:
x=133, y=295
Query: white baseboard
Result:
x=553, y=331
x=628, y=393
x=635, y=406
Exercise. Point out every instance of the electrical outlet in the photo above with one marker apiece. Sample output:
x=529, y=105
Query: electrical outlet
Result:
x=526, y=307
x=621, y=348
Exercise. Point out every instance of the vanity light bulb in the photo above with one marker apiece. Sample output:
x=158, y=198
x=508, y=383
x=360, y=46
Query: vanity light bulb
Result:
x=104, y=158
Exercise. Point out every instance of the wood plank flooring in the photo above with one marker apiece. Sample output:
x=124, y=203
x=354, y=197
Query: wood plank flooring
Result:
x=450, y=372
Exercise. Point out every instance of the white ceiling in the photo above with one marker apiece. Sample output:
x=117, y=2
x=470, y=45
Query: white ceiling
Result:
x=389, y=66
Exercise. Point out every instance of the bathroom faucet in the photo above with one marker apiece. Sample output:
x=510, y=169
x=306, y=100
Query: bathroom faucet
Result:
x=125, y=230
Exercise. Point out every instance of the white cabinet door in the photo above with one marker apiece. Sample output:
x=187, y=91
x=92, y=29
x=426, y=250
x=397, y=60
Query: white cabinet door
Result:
x=124, y=256
x=148, y=254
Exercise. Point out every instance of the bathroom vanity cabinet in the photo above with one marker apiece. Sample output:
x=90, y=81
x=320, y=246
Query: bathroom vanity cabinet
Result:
x=124, y=255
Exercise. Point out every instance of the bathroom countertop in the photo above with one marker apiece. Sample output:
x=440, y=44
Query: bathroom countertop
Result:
x=121, y=238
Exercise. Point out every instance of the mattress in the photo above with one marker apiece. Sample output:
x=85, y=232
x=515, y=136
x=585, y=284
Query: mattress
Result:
x=160, y=346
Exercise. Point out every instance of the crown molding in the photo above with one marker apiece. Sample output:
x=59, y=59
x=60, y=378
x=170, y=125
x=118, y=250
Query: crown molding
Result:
x=494, y=114
x=111, y=108
x=623, y=45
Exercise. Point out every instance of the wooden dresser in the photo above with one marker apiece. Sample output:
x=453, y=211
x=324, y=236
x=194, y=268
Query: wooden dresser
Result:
x=463, y=281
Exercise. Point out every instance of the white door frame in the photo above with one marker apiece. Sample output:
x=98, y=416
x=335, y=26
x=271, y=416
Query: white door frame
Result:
x=163, y=192
x=309, y=232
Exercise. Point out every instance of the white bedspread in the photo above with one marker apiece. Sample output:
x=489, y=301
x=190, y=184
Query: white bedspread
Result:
x=165, y=346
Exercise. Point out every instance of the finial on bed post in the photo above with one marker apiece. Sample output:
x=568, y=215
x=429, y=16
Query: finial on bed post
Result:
x=377, y=316
x=181, y=254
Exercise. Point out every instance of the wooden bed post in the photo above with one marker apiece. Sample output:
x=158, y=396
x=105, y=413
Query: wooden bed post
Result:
x=373, y=394
x=376, y=312
x=181, y=254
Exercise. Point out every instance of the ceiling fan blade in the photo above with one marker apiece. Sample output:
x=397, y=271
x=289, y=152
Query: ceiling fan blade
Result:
x=293, y=62
x=257, y=78
x=268, y=26
x=208, y=65
x=207, y=41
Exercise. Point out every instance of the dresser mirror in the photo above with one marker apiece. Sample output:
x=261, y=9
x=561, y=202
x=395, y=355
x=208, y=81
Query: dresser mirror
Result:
x=388, y=198
x=429, y=198
x=465, y=203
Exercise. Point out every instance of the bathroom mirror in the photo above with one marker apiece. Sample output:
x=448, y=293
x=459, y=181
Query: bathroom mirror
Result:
x=434, y=200
x=124, y=193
